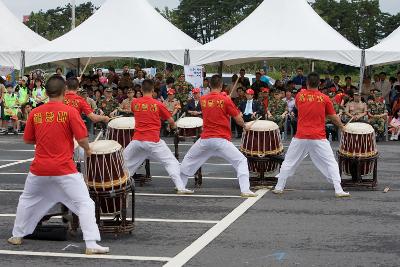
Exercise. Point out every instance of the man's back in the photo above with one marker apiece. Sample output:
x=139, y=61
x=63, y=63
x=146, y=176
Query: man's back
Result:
x=77, y=102
x=313, y=107
x=52, y=127
x=148, y=112
x=217, y=110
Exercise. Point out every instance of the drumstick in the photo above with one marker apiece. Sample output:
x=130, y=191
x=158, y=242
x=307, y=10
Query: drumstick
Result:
x=84, y=69
x=234, y=86
x=116, y=117
x=98, y=136
x=252, y=123
x=349, y=121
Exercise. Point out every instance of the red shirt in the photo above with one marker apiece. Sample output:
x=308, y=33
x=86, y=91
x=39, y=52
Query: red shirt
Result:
x=79, y=103
x=52, y=127
x=147, y=112
x=313, y=106
x=339, y=98
x=217, y=110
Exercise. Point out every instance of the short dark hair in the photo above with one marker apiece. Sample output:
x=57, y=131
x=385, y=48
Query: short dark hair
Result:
x=313, y=80
x=59, y=69
x=383, y=73
x=347, y=78
x=336, y=77
x=258, y=73
x=300, y=68
x=147, y=86
x=170, y=80
x=55, y=86
x=72, y=83
x=242, y=70
x=216, y=81
x=111, y=69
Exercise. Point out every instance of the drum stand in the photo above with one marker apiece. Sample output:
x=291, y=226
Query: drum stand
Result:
x=120, y=224
x=56, y=232
x=356, y=178
x=198, y=177
x=143, y=178
x=261, y=162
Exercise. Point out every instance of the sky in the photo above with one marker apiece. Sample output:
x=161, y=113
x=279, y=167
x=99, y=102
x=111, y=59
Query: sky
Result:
x=24, y=7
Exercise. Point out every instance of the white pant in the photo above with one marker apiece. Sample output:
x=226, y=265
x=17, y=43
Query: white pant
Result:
x=321, y=155
x=137, y=152
x=203, y=149
x=41, y=193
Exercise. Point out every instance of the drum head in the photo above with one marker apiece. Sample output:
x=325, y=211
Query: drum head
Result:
x=122, y=123
x=263, y=126
x=359, y=128
x=103, y=147
x=189, y=123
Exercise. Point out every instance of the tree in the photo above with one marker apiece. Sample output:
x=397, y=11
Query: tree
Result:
x=55, y=22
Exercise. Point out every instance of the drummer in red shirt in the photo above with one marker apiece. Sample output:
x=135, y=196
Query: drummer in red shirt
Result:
x=146, y=142
x=313, y=109
x=53, y=177
x=215, y=139
x=79, y=103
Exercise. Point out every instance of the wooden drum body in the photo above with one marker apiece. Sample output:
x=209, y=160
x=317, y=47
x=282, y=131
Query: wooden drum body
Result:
x=106, y=172
x=358, y=142
x=262, y=140
x=121, y=130
x=189, y=127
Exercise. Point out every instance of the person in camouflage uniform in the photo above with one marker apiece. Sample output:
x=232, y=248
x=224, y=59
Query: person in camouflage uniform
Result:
x=277, y=109
x=109, y=105
x=377, y=114
x=182, y=89
x=331, y=129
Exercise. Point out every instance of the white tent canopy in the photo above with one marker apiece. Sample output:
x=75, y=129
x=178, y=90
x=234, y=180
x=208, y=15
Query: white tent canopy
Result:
x=279, y=29
x=120, y=28
x=15, y=37
x=386, y=52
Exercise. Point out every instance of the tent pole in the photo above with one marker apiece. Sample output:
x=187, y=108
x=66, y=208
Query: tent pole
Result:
x=22, y=70
x=186, y=59
x=78, y=68
x=362, y=70
x=220, y=68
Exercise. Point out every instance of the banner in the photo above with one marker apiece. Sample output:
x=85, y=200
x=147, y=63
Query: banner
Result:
x=194, y=75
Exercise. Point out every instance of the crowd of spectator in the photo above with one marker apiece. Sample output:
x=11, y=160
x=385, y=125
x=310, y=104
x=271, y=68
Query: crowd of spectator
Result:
x=378, y=102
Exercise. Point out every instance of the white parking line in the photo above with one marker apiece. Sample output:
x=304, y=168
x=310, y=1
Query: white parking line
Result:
x=138, y=219
x=189, y=252
x=145, y=194
x=73, y=255
x=153, y=176
x=204, y=177
x=212, y=164
x=15, y=163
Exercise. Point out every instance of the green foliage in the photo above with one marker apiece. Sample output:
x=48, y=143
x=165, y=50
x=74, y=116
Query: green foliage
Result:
x=53, y=23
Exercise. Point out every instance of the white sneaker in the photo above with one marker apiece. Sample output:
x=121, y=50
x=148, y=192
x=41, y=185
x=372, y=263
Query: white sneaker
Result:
x=248, y=194
x=184, y=192
x=98, y=250
x=16, y=241
x=277, y=192
x=393, y=137
x=342, y=194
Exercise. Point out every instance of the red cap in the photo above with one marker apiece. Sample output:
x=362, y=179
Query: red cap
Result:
x=265, y=90
x=333, y=89
x=250, y=91
x=196, y=91
x=171, y=91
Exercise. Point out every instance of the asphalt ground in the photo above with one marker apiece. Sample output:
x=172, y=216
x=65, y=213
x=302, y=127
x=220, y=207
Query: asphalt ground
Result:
x=306, y=226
